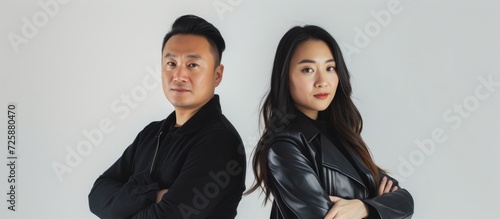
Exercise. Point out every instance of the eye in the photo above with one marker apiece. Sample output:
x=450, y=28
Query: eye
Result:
x=171, y=64
x=192, y=65
x=331, y=68
x=307, y=70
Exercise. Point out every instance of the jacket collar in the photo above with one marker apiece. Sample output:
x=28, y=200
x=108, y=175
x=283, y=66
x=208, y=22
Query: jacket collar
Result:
x=207, y=113
x=304, y=125
x=331, y=156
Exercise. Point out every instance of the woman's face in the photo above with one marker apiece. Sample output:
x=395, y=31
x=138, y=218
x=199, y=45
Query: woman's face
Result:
x=313, y=77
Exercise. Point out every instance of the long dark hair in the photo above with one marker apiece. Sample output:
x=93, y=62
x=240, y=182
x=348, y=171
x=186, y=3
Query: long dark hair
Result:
x=278, y=107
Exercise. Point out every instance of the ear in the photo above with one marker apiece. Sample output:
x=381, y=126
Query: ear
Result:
x=219, y=71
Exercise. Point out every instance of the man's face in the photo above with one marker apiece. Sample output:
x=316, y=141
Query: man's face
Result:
x=189, y=74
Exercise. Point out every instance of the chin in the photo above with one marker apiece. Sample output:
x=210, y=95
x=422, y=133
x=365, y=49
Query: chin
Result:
x=177, y=102
x=322, y=108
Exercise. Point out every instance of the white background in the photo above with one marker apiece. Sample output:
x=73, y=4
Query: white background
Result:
x=410, y=76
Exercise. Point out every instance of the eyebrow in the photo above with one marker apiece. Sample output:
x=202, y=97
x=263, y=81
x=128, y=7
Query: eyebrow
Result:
x=312, y=61
x=190, y=56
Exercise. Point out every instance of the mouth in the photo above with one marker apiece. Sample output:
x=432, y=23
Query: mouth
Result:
x=321, y=95
x=180, y=90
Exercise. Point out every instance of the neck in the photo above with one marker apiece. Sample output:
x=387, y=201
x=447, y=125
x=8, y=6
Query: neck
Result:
x=311, y=114
x=183, y=115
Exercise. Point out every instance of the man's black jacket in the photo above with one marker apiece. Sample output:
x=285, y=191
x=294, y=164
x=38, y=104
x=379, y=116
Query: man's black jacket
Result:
x=201, y=163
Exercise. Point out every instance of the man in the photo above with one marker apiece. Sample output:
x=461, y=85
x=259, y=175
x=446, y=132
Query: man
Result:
x=192, y=164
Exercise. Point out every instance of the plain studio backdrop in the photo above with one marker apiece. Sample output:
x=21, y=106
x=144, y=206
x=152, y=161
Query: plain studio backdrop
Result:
x=84, y=78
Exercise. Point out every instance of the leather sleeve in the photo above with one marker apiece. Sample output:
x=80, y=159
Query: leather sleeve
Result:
x=392, y=205
x=294, y=182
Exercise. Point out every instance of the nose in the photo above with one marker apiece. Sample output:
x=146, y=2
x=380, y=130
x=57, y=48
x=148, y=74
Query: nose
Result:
x=179, y=75
x=321, y=81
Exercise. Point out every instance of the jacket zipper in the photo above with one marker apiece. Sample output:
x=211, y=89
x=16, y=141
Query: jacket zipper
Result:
x=156, y=153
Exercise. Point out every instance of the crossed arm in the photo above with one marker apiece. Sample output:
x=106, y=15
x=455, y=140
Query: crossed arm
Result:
x=304, y=196
x=355, y=208
x=120, y=193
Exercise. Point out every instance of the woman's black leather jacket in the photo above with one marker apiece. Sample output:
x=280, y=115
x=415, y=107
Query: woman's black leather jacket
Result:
x=305, y=168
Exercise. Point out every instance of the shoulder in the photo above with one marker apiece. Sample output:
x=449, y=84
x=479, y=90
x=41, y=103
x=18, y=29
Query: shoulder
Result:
x=289, y=153
x=220, y=135
x=299, y=131
x=287, y=143
x=225, y=124
x=287, y=135
x=293, y=139
x=150, y=130
x=153, y=127
x=219, y=127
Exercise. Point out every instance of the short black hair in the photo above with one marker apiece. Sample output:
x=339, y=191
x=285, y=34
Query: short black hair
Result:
x=192, y=24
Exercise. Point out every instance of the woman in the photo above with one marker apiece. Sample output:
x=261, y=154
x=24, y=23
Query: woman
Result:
x=311, y=156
